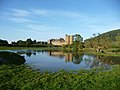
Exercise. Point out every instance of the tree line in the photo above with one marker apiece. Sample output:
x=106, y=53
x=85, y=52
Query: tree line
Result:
x=28, y=42
x=3, y=42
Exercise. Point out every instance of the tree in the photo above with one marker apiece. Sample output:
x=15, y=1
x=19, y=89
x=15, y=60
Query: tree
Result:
x=29, y=41
x=3, y=42
x=13, y=43
x=78, y=44
x=99, y=34
x=94, y=35
x=34, y=41
x=78, y=38
x=20, y=42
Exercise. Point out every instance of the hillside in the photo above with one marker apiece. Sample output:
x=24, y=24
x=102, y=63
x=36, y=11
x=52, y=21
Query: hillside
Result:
x=106, y=40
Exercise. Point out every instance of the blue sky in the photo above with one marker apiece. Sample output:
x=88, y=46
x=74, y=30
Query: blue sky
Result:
x=45, y=19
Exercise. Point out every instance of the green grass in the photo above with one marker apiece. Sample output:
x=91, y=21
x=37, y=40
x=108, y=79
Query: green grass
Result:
x=85, y=50
x=29, y=48
x=103, y=54
x=23, y=78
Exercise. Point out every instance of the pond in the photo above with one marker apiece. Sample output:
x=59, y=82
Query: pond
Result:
x=53, y=61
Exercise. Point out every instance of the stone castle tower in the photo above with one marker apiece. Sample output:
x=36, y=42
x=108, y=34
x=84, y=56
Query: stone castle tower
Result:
x=69, y=39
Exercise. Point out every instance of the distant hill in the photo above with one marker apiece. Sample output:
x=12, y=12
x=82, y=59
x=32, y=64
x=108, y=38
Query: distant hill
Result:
x=105, y=40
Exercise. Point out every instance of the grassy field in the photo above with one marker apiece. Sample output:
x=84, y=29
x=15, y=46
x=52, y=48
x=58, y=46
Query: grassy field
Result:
x=23, y=78
x=87, y=51
x=29, y=48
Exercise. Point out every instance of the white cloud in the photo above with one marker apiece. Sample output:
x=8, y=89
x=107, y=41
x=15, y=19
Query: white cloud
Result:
x=20, y=13
x=43, y=28
x=25, y=15
x=56, y=13
x=20, y=20
x=16, y=15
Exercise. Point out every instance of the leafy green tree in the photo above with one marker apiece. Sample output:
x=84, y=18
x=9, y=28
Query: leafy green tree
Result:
x=78, y=38
x=78, y=44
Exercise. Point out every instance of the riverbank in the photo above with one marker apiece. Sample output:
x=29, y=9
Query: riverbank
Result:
x=24, y=78
x=85, y=50
x=30, y=48
x=103, y=54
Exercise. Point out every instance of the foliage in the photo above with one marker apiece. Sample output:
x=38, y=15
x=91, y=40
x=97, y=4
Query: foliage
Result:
x=11, y=58
x=23, y=78
x=29, y=42
x=3, y=43
x=78, y=38
x=105, y=40
x=111, y=60
x=77, y=45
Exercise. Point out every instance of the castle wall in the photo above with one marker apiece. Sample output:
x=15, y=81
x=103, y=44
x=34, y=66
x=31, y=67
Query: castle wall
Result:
x=57, y=43
x=71, y=39
x=68, y=40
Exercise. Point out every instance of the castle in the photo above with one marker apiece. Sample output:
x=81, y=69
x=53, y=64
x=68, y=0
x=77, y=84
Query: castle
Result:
x=68, y=40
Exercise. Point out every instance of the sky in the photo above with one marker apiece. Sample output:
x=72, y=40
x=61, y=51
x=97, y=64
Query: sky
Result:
x=46, y=19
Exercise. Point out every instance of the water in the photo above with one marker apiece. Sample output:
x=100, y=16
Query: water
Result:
x=53, y=61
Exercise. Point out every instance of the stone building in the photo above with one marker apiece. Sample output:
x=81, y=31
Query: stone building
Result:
x=68, y=40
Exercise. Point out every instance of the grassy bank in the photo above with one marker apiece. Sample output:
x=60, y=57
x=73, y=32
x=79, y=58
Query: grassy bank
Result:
x=85, y=50
x=24, y=78
x=30, y=48
x=103, y=54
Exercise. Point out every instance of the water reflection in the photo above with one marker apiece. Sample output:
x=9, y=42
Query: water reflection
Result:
x=55, y=60
x=56, y=54
x=90, y=61
x=109, y=59
x=28, y=53
x=69, y=57
x=76, y=58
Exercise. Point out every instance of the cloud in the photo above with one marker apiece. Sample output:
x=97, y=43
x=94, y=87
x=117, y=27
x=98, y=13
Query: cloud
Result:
x=39, y=19
x=20, y=13
x=40, y=12
x=43, y=28
x=16, y=15
x=46, y=30
x=20, y=20
x=56, y=13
